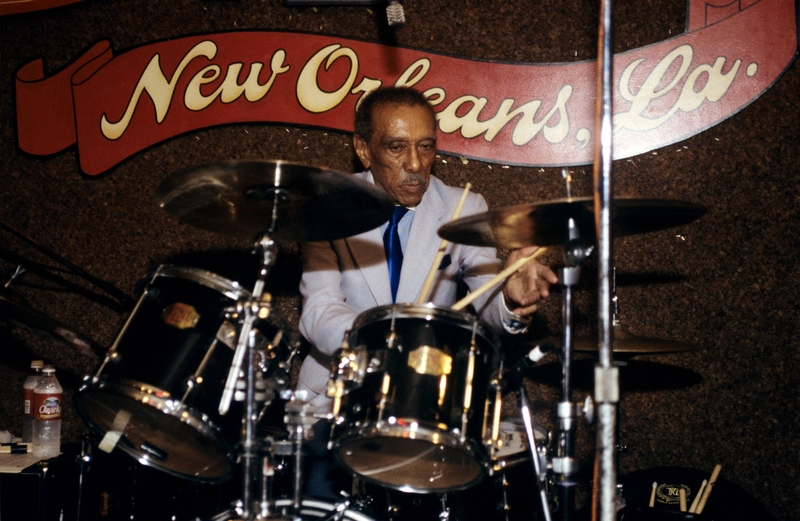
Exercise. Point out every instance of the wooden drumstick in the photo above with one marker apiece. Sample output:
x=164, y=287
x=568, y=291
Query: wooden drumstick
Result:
x=466, y=301
x=709, y=486
x=682, y=499
x=653, y=495
x=423, y=295
x=693, y=508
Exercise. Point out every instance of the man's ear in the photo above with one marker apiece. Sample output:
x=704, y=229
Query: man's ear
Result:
x=362, y=150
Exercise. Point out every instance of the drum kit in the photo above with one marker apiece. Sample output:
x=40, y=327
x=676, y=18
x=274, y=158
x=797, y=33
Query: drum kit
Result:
x=417, y=389
x=201, y=361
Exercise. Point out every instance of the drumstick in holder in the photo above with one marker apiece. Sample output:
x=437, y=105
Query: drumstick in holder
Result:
x=426, y=288
x=693, y=508
x=709, y=487
x=466, y=301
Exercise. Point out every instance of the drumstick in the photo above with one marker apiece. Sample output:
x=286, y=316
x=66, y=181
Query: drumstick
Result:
x=423, y=296
x=709, y=487
x=653, y=495
x=682, y=499
x=466, y=301
x=697, y=497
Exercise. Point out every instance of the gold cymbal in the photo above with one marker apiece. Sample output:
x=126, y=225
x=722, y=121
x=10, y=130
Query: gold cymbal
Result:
x=247, y=198
x=624, y=342
x=546, y=223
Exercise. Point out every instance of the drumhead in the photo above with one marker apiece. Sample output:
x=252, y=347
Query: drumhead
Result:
x=420, y=460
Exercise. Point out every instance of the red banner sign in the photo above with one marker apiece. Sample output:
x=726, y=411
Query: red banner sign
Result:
x=526, y=114
x=8, y=7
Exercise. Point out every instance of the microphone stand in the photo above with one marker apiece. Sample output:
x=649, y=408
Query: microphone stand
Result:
x=121, y=297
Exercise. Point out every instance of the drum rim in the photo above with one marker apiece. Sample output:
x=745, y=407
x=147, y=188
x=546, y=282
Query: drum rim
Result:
x=209, y=279
x=312, y=506
x=136, y=392
x=427, y=311
x=229, y=288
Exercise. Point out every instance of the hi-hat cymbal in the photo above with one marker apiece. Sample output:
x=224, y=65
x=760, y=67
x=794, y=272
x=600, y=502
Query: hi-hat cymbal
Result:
x=624, y=342
x=238, y=198
x=19, y=315
x=546, y=223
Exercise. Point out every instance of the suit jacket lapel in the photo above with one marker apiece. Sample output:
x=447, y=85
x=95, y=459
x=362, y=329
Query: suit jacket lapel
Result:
x=423, y=243
x=367, y=252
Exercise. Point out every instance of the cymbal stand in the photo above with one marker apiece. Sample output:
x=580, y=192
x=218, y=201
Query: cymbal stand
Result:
x=248, y=310
x=564, y=463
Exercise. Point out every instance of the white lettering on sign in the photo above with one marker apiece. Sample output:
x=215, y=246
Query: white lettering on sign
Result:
x=161, y=91
x=703, y=83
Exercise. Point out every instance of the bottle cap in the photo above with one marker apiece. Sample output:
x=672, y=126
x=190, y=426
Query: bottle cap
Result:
x=37, y=364
x=49, y=370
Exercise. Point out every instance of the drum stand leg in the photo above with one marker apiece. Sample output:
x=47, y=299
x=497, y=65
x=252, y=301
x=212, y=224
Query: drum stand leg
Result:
x=522, y=399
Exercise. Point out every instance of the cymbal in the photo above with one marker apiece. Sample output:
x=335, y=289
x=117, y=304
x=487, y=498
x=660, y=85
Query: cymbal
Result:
x=624, y=342
x=21, y=315
x=237, y=198
x=546, y=223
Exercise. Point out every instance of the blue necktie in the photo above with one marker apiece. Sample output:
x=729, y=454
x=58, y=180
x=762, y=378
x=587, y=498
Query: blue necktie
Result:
x=394, y=252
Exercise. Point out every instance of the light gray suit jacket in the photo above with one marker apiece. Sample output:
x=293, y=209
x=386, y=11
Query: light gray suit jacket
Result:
x=343, y=278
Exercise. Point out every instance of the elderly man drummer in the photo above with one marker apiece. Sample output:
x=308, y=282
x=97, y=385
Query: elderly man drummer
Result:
x=395, y=139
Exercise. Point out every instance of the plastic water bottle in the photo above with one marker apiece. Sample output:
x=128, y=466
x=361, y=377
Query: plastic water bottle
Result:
x=28, y=389
x=47, y=415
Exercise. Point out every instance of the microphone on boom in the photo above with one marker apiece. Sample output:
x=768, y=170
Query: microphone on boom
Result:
x=395, y=15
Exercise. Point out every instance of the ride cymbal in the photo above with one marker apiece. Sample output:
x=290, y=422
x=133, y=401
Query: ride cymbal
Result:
x=625, y=342
x=291, y=201
x=547, y=223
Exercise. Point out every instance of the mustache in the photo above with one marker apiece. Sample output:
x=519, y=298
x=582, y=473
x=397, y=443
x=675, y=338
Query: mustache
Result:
x=413, y=179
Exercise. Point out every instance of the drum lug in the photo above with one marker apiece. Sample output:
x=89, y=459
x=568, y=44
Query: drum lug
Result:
x=470, y=376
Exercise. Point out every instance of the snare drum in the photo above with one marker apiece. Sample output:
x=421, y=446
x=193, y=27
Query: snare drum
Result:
x=415, y=419
x=156, y=395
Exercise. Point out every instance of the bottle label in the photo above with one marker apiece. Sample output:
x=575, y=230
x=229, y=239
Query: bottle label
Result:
x=47, y=406
x=28, y=401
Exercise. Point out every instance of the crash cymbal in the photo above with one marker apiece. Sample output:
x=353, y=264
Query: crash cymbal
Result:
x=16, y=314
x=546, y=223
x=624, y=342
x=236, y=198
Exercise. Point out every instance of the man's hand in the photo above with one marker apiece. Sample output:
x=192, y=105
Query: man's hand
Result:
x=525, y=288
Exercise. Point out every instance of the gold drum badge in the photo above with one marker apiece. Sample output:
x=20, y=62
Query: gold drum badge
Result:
x=180, y=315
x=430, y=360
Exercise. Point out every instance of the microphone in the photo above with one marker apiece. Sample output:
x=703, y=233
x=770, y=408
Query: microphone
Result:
x=395, y=15
x=514, y=375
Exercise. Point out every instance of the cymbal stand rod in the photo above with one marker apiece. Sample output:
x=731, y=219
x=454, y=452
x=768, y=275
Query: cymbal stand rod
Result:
x=606, y=387
x=564, y=464
x=248, y=309
x=249, y=452
x=269, y=249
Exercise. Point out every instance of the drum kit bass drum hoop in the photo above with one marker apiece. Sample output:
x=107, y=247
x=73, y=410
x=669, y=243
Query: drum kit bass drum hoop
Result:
x=416, y=388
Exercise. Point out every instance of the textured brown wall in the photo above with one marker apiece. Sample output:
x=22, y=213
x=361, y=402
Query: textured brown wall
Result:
x=727, y=283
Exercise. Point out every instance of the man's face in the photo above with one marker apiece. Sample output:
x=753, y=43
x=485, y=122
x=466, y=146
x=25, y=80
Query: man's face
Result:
x=401, y=151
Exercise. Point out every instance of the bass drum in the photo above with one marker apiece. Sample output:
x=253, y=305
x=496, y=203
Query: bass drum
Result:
x=157, y=393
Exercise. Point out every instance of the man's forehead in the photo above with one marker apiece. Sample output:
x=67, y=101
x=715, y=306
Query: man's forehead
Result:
x=393, y=121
